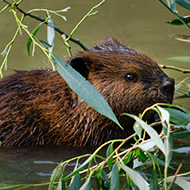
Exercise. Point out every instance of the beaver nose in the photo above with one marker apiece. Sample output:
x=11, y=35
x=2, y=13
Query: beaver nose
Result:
x=168, y=86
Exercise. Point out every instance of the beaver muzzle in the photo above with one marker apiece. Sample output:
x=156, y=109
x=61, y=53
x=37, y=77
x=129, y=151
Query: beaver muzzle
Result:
x=167, y=88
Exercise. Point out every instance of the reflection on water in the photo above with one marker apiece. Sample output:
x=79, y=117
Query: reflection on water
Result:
x=34, y=165
x=138, y=23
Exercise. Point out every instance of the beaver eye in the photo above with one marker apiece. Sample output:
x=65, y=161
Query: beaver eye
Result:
x=131, y=77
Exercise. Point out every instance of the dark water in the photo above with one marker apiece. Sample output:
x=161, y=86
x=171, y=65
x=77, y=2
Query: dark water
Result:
x=140, y=24
x=34, y=165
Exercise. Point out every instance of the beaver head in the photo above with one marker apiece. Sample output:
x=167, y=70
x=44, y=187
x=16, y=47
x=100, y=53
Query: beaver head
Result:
x=38, y=107
x=129, y=80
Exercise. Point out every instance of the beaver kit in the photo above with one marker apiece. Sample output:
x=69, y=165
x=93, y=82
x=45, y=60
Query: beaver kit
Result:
x=37, y=107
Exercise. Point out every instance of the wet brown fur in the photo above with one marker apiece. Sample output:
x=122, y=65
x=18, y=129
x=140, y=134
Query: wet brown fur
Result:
x=38, y=107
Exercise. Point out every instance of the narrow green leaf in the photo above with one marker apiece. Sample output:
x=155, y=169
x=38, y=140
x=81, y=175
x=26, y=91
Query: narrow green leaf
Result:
x=140, y=155
x=179, y=22
x=182, y=150
x=75, y=182
x=63, y=10
x=45, y=44
x=63, y=17
x=137, y=179
x=184, y=184
x=176, y=22
x=56, y=174
x=160, y=162
x=165, y=119
x=89, y=166
x=138, y=129
x=80, y=167
x=29, y=41
x=106, y=179
x=178, y=117
x=183, y=96
x=147, y=146
x=152, y=133
x=129, y=159
x=4, y=53
x=50, y=33
x=170, y=146
x=99, y=179
x=87, y=185
x=172, y=5
x=154, y=180
x=185, y=59
x=184, y=3
x=129, y=184
x=182, y=109
x=108, y=152
x=84, y=89
x=61, y=184
x=179, y=85
x=165, y=116
x=94, y=13
x=114, y=181
x=181, y=134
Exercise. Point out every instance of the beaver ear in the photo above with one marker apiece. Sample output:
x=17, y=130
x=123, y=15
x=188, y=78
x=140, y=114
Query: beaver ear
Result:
x=110, y=40
x=79, y=64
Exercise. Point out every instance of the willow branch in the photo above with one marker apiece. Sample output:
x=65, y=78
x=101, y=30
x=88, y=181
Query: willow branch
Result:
x=174, y=13
x=36, y=17
x=175, y=68
x=178, y=169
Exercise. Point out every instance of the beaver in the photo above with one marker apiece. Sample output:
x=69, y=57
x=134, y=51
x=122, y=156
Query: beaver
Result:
x=38, y=107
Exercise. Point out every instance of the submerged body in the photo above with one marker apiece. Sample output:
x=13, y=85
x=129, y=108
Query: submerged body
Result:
x=37, y=107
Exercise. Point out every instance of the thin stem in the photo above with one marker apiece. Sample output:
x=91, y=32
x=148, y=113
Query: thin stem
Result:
x=178, y=169
x=167, y=144
x=2, y=10
x=101, y=164
x=57, y=29
x=19, y=2
x=66, y=44
x=79, y=23
x=46, y=52
x=175, y=68
x=9, y=47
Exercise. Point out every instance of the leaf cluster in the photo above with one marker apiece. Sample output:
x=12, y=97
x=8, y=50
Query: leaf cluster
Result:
x=125, y=167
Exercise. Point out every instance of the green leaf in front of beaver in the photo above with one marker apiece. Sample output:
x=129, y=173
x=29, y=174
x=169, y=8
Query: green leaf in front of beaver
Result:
x=75, y=182
x=137, y=179
x=181, y=134
x=84, y=89
x=29, y=41
x=87, y=185
x=114, y=181
x=151, y=132
x=108, y=152
x=178, y=117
